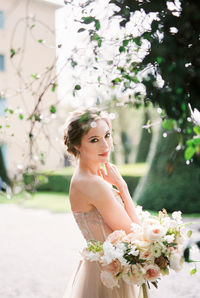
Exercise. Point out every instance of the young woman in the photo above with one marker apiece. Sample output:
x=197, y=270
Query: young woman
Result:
x=98, y=208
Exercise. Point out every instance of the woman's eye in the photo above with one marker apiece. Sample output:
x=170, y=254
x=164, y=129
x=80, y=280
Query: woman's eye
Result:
x=108, y=135
x=94, y=140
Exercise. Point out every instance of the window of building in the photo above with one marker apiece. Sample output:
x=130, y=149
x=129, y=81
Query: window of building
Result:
x=2, y=106
x=2, y=64
x=1, y=19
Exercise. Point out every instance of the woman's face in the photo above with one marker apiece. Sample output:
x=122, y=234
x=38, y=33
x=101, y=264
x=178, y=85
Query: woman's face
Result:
x=96, y=144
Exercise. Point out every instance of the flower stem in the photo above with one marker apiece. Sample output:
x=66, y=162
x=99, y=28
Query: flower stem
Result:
x=143, y=291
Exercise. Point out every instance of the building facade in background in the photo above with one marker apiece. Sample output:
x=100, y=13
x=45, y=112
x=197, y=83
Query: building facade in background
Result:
x=27, y=52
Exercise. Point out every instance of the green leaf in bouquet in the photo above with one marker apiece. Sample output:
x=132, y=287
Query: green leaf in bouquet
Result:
x=193, y=271
x=172, y=244
x=95, y=245
x=88, y=20
x=197, y=130
x=142, y=260
x=189, y=233
x=187, y=254
x=155, y=283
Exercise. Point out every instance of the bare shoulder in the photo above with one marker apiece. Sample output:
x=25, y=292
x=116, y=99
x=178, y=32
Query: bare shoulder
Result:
x=90, y=186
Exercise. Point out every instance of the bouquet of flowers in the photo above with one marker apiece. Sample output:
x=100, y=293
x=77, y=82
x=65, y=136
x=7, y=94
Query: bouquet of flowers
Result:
x=144, y=255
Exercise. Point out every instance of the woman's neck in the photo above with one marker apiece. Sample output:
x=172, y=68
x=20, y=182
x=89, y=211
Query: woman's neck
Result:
x=88, y=167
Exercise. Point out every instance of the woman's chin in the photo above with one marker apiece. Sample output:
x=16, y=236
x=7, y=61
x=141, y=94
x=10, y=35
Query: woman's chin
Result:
x=104, y=158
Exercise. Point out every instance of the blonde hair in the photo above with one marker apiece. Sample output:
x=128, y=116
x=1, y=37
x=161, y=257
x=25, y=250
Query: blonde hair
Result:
x=78, y=124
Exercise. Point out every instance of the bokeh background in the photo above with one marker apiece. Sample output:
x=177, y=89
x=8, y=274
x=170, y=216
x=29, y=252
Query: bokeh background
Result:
x=137, y=60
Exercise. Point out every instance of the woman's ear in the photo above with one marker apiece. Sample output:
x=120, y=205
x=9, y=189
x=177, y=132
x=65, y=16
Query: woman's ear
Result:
x=77, y=148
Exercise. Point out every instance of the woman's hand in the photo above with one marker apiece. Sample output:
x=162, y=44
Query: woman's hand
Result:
x=113, y=176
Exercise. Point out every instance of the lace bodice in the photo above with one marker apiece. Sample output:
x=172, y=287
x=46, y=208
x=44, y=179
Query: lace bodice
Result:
x=91, y=223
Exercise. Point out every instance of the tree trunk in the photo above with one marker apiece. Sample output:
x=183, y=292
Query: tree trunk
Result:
x=170, y=183
x=145, y=141
x=3, y=172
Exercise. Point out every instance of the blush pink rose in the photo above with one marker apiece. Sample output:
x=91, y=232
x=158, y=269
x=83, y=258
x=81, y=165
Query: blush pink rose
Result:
x=133, y=275
x=114, y=267
x=116, y=236
x=152, y=272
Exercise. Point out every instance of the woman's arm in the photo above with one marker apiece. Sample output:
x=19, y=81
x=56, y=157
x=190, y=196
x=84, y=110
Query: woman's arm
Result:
x=114, y=214
x=128, y=202
x=114, y=177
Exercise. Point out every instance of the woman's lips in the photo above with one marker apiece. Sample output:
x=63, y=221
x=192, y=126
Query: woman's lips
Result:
x=104, y=154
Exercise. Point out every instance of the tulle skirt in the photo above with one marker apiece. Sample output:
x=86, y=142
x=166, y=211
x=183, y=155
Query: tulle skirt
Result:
x=86, y=283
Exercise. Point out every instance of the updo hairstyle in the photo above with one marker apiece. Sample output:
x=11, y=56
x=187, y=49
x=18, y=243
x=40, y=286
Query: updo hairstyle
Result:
x=78, y=124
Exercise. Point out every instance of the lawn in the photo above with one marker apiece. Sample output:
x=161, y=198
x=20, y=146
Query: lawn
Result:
x=53, y=201
x=138, y=169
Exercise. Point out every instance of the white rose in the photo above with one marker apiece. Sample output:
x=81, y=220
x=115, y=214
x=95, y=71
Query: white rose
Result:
x=154, y=232
x=108, y=279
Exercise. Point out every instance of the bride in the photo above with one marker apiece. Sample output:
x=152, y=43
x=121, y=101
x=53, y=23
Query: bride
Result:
x=98, y=208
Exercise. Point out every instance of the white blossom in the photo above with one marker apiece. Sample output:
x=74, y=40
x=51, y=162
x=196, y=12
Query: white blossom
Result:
x=176, y=215
x=169, y=238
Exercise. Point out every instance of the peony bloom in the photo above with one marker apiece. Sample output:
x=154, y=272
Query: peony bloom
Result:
x=133, y=275
x=108, y=279
x=176, y=261
x=152, y=272
x=116, y=236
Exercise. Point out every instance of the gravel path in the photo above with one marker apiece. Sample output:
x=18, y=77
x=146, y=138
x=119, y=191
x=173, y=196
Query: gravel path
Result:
x=39, y=250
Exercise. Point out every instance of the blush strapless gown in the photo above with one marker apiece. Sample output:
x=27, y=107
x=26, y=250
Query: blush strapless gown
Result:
x=85, y=282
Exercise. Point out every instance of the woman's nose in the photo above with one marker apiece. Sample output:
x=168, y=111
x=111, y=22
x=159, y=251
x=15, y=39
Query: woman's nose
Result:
x=104, y=143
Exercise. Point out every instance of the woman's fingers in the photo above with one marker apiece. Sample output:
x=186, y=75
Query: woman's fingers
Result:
x=103, y=174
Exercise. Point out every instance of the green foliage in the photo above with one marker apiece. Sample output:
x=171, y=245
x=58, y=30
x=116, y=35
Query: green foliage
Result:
x=59, y=181
x=89, y=20
x=12, y=53
x=170, y=183
x=174, y=56
x=35, y=76
x=168, y=124
x=53, y=88
x=77, y=87
x=53, y=109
